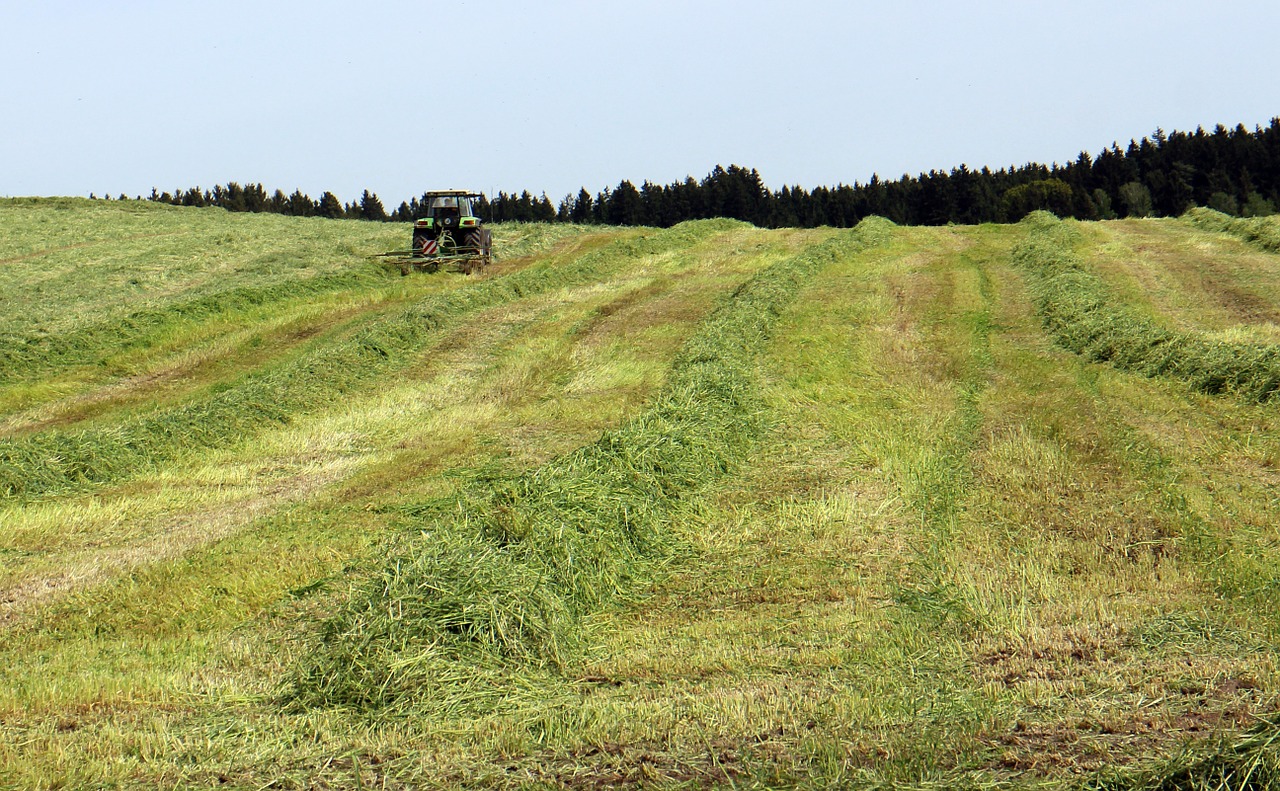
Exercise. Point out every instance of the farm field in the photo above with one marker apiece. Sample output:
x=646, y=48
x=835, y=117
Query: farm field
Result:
x=701, y=507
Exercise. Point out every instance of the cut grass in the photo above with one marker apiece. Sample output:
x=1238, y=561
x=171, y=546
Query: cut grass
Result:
x=144, y=668
x=58, y=461
x=128, y=297
x=948, y=553
x=62, y=257
x=1263, y=232
x=40, y=355
x=958, y=569
x=1082, y=316
x=1187, y=279
x=509, y=573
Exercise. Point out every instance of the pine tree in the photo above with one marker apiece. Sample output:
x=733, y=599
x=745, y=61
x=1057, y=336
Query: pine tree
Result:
x=301, y=205
x=543, y=211
x=255, y=198
x=371, y=208
x=582, y=205
x=330, y=206
x=624, y=206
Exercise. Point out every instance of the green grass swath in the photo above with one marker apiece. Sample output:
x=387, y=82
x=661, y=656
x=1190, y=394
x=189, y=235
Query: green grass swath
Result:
x=1079, y=312
x=508, y=575
x=54, y=461
x=36, y=355
x=1262, y=232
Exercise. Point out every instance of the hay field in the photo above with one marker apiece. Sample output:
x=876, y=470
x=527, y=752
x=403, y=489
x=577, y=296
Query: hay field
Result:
x=703, y=507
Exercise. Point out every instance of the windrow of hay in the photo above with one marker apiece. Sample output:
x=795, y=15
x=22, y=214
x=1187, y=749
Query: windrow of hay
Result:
x=1262, y=232
x=55, y=461
x=501, y=583
x=1249, y=763
x=1079, y=312
x=36, y=355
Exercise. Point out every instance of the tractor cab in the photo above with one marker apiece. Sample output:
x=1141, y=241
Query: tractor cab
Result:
x=449, y=211
x=449, y=206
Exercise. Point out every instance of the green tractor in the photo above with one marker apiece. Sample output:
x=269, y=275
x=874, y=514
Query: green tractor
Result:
x=451, y=234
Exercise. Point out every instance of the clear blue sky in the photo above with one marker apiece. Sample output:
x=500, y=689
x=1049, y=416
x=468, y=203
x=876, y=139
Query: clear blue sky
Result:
x=400, y=97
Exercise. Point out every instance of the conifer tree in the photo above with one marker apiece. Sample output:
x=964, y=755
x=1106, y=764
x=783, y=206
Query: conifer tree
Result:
x=582, y=207
x=624, y=205
x=301, y=205
x=543, y=211
x=330, y=206
x=371, y=208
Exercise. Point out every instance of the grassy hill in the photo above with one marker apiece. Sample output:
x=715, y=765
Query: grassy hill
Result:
x=709, y=506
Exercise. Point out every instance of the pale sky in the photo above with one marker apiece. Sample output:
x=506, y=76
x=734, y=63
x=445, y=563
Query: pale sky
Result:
x=400, y=97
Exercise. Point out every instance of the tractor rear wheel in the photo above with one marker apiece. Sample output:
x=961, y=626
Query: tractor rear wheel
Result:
x=474, y=242
x=479, y=241
x=420, y=238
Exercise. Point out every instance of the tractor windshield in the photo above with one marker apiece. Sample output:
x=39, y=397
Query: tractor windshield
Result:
x=454, y=206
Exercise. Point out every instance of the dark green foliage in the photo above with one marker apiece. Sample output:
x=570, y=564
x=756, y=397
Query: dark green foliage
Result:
x=1162, y=175
x=1102, y=205
x=1080, y=313
x=1051, y=195
x=371, y=207
x=581, y=208
x=1257, y=206
x=330, y=207
x=507, y=575
x=1135, y=198
x=1222, y=202
x=59, y=461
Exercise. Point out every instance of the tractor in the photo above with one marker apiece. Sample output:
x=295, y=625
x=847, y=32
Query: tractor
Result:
x=450, y=234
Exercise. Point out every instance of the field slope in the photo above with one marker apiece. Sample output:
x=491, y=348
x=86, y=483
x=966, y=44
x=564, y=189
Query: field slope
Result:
x=700, y=507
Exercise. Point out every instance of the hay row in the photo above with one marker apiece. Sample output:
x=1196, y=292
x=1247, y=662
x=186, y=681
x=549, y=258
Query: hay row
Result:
x=501, y=582
x=1079, y=312
x=56, y=461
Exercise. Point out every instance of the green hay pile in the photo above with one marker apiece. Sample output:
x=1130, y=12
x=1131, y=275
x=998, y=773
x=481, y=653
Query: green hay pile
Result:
x=1263, y=232
x=1250, y=763
x=31, y=356
x=56, y=461
x=1080, y=313
x=503, y=583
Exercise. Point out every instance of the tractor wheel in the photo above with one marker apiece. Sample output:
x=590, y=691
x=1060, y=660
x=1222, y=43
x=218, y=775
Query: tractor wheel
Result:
x=419, y=239
x=473, y=244
x=479, y=241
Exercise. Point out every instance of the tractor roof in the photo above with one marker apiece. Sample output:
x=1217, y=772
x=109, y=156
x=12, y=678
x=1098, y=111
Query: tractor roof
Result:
x=452, y=194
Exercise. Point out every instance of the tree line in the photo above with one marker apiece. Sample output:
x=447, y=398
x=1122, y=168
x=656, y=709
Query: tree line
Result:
x=1236, y=171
